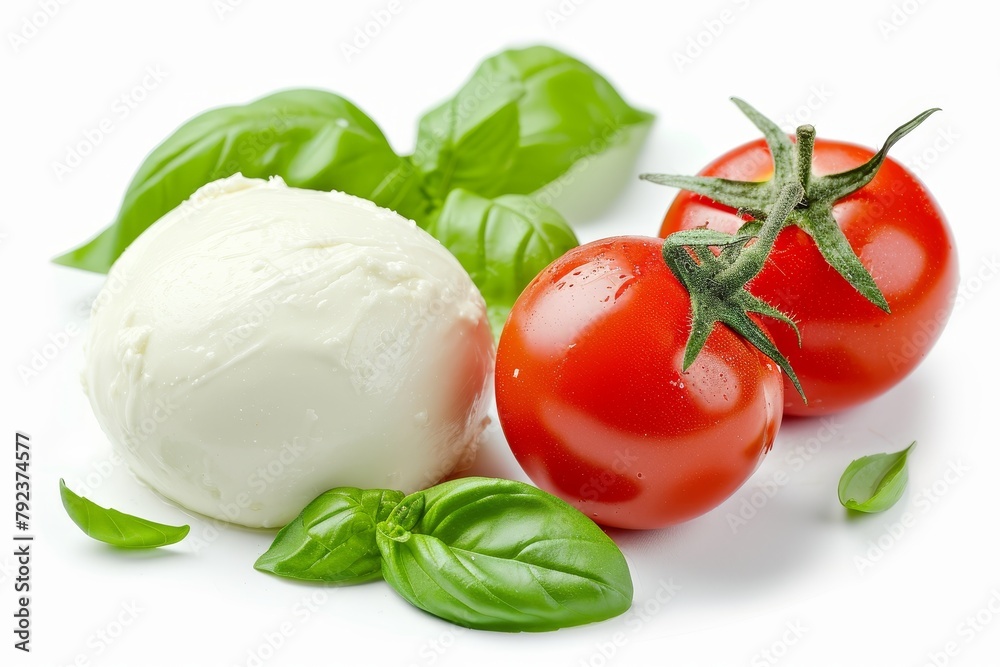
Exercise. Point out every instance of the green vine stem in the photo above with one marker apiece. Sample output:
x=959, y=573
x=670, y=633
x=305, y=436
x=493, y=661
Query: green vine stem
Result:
x=717, y=283
x=814, y=213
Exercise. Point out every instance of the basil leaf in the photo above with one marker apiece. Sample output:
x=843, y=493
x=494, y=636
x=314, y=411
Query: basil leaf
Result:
x=117, y=528
x=566, y=114
x=470, y=140
x=503, y=243
x=495, y=554
x=312, y=139
x=874, y=483
x=333, y=538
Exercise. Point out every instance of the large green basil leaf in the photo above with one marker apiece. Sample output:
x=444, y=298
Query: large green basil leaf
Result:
x=470, y=140
x=503, y=243
x=117, y=528
x=495, y=554
x=567, y=114
x=333, y=538
x=311, y=138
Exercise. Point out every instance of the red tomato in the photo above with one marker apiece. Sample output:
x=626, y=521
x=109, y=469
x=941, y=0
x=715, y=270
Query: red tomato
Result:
x=595, y=406
x=851, y=351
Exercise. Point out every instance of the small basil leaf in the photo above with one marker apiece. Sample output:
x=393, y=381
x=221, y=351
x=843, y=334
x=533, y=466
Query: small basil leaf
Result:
x=311, y=138
x=333, y=538
x=117, y=528
x=495, y=554
x=503, y=243
x=874, y=483
x=470, y=140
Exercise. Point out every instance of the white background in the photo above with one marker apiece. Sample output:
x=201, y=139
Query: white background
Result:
x=870, y=591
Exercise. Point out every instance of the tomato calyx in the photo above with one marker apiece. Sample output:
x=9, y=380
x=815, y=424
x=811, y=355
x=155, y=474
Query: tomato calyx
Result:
x=814, y=213
x=717, y=282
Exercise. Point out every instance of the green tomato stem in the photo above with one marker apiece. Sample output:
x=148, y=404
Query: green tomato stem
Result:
x=805, y=140
x=717, y=283
x=814, y=213
x=751, y=259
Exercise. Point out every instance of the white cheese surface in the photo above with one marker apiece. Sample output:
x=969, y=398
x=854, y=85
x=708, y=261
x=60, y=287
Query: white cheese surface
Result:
x=261, y=344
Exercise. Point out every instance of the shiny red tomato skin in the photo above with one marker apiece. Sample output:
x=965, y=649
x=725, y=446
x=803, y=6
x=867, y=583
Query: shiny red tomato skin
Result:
x=851, y=351
x=595, y=407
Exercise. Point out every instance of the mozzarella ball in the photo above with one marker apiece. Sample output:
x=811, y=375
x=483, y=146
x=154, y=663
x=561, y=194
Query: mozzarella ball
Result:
x=262, y=344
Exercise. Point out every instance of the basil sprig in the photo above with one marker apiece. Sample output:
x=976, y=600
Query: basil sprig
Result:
x=491, y=554
x=118, y=528
x=495, y=554
x=526, y=118
x=311, y=138
x=874, y=483
x=333, y=538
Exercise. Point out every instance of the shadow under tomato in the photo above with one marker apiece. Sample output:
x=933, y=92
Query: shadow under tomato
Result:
x=781, y=529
